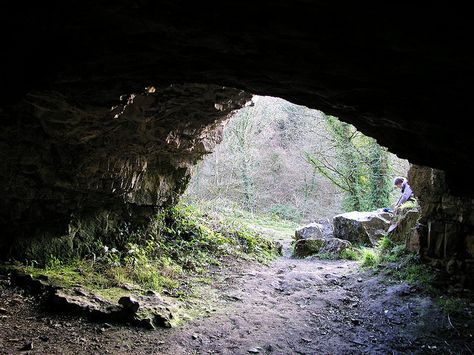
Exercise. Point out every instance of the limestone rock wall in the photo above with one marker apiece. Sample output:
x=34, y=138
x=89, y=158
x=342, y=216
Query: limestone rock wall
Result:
x=447, y=223
x=69, y=166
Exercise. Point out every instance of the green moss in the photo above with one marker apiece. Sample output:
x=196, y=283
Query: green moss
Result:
x=112, y=294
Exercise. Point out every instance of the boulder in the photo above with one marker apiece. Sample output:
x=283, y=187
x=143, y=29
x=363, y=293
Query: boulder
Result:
x=361, y=227
x=335, y=246
x=320, y=229
x=311, y=246
x=313, y=230
x=404, y=228
x=148, y=311
x=129, y=303
x=307, y=247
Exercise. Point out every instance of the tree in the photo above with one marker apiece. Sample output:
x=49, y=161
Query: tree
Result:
x=262, y=165
x=360, y=168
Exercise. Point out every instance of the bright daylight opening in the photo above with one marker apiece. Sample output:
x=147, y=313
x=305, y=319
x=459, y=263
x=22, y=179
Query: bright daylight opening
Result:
x=281, y=167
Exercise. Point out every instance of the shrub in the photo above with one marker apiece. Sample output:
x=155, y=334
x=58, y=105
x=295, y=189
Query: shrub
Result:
x=369, y=258
x=349, y=254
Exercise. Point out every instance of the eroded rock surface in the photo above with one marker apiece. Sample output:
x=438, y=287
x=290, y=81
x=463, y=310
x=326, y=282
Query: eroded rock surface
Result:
x=361, y=227
x=67, y=162
x=404, y=228
x=446, y=229
x=82, y=170
x=149, y=311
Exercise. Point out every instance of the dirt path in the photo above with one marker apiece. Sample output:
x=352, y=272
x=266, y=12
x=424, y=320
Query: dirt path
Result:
x=290, y=307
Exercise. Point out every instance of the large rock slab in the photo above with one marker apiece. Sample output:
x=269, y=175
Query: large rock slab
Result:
x=361, y=227
x=149, y=311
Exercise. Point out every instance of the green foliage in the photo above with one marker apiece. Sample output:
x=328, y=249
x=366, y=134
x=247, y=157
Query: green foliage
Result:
x=369, y=258
x=415, y=273
x=350, y=254
x=53, y=262
x=385, y=244
x=397, y=262
x=181, y=241
x=361, y=169
x=392, y=253
x=450, y=305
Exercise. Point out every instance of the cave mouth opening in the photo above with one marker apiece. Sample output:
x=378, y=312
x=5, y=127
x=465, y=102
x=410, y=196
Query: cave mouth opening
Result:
x=281, y=166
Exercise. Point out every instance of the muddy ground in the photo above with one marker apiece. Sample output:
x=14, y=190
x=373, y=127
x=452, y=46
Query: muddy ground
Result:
x=290, y=307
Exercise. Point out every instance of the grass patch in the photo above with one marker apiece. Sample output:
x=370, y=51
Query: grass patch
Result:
x=393, y=260
x=350, y=254
x=272, y=225
x=385, y=244
x=414, y=273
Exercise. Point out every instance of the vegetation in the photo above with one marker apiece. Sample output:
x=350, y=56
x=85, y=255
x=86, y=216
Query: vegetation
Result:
x=450, y=305
x=392, y=259
x=183, y=242
x=361, y=170
x=277, y=158
x=369, y=258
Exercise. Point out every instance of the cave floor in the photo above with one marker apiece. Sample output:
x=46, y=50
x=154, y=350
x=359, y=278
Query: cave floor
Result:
x=290, y=307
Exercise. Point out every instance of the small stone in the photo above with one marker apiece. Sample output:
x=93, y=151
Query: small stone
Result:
x=27, y=346
x=195, y=336
x=355, y=321
x=306, y=340
x=107, y=325
x=359, y=280
x=3, y=311
x=253, y=351
x=127, y=287
x=129, y=303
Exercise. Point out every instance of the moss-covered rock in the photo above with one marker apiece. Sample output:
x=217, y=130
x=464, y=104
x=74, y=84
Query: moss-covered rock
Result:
x=403, y=228
x=307, y=247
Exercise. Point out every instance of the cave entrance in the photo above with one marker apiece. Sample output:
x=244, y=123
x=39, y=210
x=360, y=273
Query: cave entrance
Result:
x=281, y=166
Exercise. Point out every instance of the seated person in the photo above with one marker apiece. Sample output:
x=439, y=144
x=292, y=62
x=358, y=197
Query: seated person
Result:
x=407, y=193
